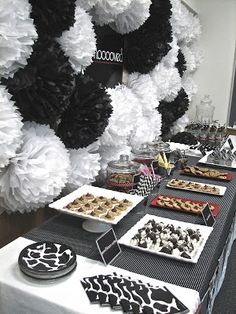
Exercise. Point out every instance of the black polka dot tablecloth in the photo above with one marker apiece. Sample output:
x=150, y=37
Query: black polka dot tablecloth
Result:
x=68, y=229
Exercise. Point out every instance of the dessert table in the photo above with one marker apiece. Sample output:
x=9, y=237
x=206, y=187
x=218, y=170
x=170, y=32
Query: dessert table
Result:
x=200, y=282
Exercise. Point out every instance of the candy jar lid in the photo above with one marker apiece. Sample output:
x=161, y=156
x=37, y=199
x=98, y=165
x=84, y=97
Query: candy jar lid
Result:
x=145, y=150
x=123, y=164
x=159, y=146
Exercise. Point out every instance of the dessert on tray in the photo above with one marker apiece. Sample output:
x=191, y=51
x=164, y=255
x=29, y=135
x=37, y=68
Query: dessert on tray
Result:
x=182, y=204
x=98, y=206
x=195, y=186
x=206, y=172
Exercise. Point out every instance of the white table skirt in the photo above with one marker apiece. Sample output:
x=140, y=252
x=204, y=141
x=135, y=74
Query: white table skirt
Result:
x=20, y=294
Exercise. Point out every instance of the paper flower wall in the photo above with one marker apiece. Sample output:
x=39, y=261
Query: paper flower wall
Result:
x=132, y=18
x=42, y=89
x=167, y=82
x=37, y=174
x=172, y=56
x=79, y=42
x=106, y=11
x=87, y=116
x=147, y=128
x=10, y=128
x=126, y=110
x=189, y=85
x=85, y=166
x=151, y=42
x=143, y=87
x=172, y=111
x=186, y=26
x=181, y=63
x=180, y=124
x=193, y=56
x=17, y=35
x=52, y=17
x=86, y=4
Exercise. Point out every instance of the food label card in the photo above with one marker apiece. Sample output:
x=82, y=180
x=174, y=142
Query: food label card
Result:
x=207, y=216
x=108, y=246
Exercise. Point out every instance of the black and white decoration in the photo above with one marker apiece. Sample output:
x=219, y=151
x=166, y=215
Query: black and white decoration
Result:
x=131, y=296
x=45, y=48
x=47, y=260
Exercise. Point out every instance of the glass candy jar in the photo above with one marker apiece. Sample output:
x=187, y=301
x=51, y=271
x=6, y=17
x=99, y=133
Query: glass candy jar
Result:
x=143, y=155
x=205, y=111
x=122, y=174
x=158, y=146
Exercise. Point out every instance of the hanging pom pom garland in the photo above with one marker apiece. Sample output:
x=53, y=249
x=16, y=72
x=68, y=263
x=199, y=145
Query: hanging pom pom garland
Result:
x=126, y=110
x=181, y=63
x=52, y=17
x=17, y=35
x=37, y=174
x=85, y=166
x=42, y=89
x=87, y=117
x=132, y=18
x=79, y=42
x=106, y=11
x=10, y=128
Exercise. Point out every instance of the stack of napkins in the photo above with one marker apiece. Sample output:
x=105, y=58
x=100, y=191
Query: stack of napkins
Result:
x=131, y=296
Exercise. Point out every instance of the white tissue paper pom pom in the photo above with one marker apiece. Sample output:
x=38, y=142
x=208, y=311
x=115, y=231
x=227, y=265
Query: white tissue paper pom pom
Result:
x=79, y=42
x=186, y=26
x=85, y=166
x=142, y=86
x=37, y=174
x=193, y=57
x=17, y=35
x=86, y=4
x=167, y=81
x=125, y=111
x=189, y=85
x=180, y=125
x=106, y=11
x=147, y=128
x=172, y=56
x=10, y=128
x=132, y=18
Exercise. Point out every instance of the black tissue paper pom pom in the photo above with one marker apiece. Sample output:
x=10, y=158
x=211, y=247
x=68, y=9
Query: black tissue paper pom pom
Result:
x=172, y=111
x=184, y=138
x=87, y=116
x=43, y=87
x=52, y=17
x=181, y=63
x=151, y=42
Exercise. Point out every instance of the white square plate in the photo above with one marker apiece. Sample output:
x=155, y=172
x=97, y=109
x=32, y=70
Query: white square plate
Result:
x=62, y=202
x=204, y=230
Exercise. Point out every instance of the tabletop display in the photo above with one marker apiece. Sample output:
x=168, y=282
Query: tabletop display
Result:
x=167, y=237
x=47, y=260
x=97, y=204
x=183, y=204
x=196, y=187
x=209, y=173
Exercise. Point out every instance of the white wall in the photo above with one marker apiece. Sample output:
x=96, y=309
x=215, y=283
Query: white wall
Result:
x=218, y=19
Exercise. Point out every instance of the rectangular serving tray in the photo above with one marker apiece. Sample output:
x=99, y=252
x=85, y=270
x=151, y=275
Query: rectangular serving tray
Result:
x=204, y=230
x=96, y=191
